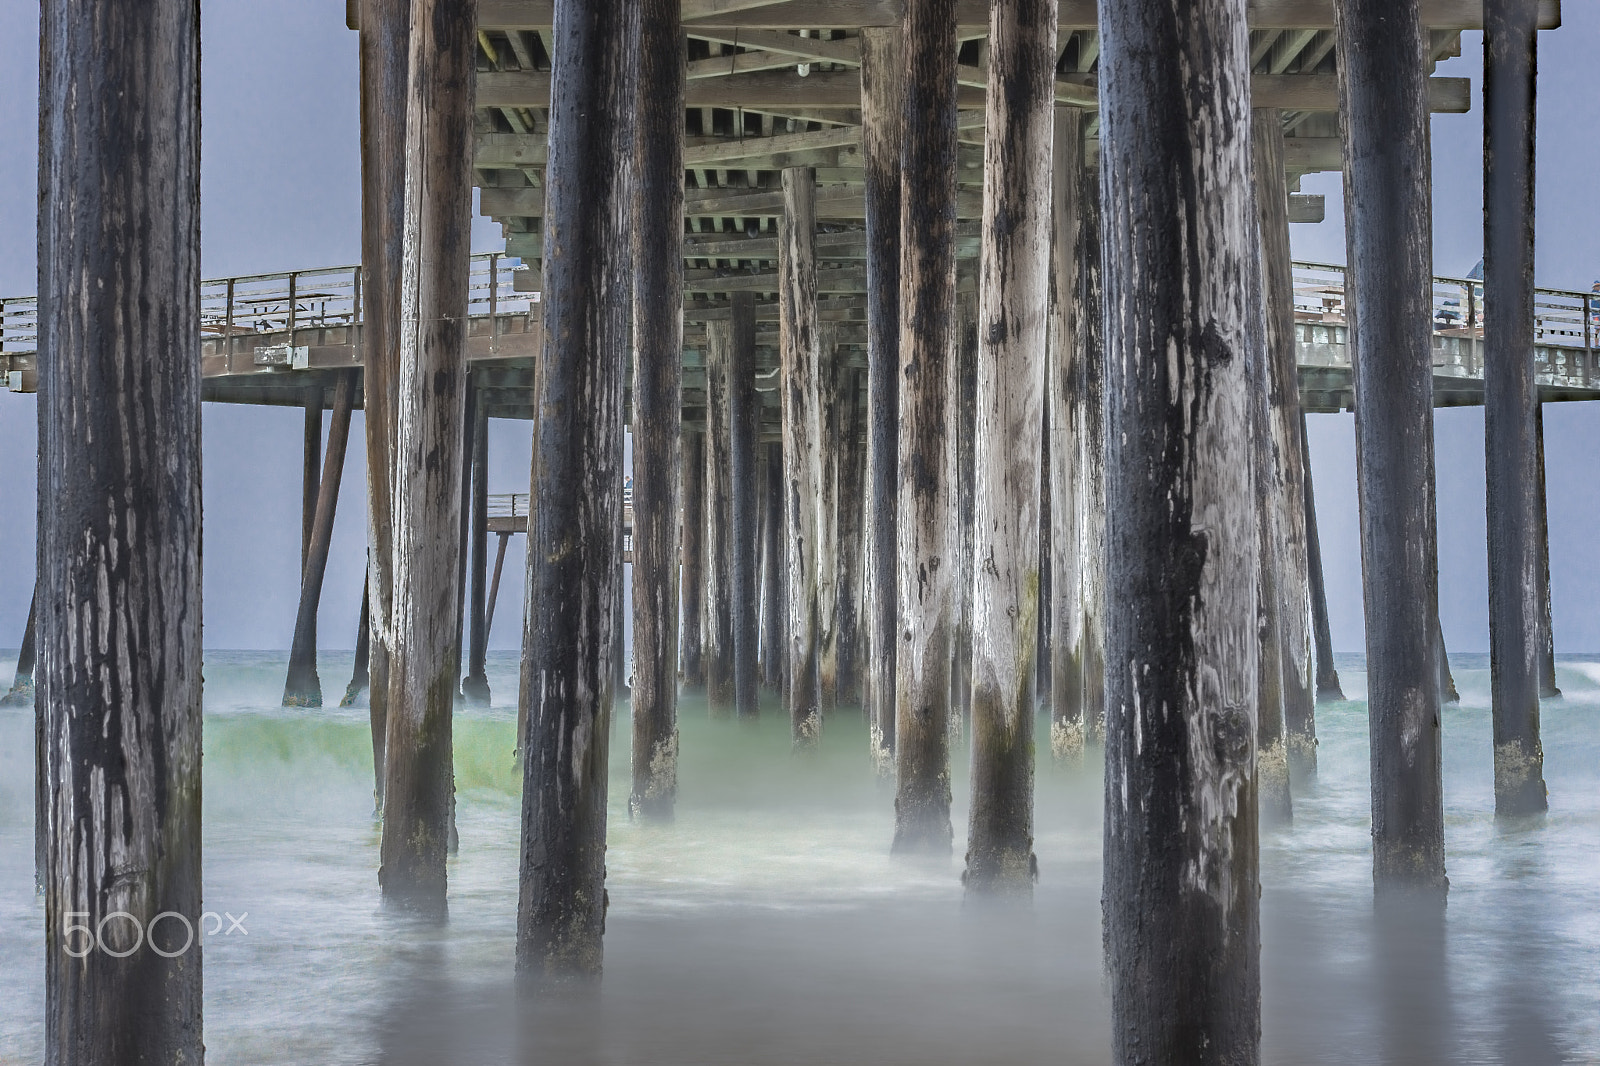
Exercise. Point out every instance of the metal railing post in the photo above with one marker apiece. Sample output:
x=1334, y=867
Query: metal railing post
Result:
x=1472, y=306
x=227, y=325
x=1588, y=340
x=494, y=302
x=292, y=279
x=355, y=317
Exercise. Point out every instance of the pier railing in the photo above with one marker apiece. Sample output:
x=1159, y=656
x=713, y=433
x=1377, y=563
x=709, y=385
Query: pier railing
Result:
x=1566, y=328
x=291, y=300
x=309, y=299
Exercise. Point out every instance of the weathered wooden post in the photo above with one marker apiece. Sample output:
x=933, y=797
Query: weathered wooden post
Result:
x=1514, y=482
x=361, y=672
x=657, y=407
x=385, y=61
x=719, y=522
x=418, y=778
x=827, y=550
x=1383, y=122
x=119, y=584
x=1062, y=383
x=1089, y=348
x=1288, y=465
x=773, y=613
x=1547, y=636
x=310, y=465
x=475, y=686
x=1447, y=681
x=577, y=472
x=1327, y=675
x=1182, y=369
x=927, y=321
x=303, y=688
x=964, y=387
x=21, y=693
x=741, y=421
x=802, y=442
x=692, y=478
x=1013, y=324
x=882, y=119
x=852, y=472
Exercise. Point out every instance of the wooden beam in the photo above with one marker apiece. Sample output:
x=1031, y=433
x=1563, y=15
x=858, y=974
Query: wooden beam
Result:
x=840, y=89
x=973, y=15
x=719, y=519
x=303, y=688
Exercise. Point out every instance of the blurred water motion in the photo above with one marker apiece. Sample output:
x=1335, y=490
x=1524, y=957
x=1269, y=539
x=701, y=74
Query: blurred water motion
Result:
x=768, y=925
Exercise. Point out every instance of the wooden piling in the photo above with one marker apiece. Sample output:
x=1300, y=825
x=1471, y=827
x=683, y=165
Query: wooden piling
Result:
x=361, y=671
x=429, y=443
x=927, y=322
x=21, y=693
x=1547, y=639
x=1327, y=674
x=1182, y=361
x=882, y=120
x=802, y=443
x=1514, y=485
x=1013, y=324
x=303, y=688
x=385, y=61
x=119, y=512
x=657, y=407
x=310, y=466
x=475, y=686
x=718, y=632
x=1288, y=479
x=773, y=612
x=693, y=480
x=852, y=476
x=1089, y=348
x=964, y=387
x=1062, y=383
x=1389, y=246
x=577, y=474
x=741, y=418
x=829, y=374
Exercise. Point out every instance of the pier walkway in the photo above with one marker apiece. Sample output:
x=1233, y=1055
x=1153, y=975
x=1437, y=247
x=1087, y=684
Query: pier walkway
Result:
x=271, y=338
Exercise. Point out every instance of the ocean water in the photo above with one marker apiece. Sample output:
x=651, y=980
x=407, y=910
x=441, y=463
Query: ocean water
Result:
x=769, y=925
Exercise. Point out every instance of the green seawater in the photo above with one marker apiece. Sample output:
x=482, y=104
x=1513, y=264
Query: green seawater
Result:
x=768, y=924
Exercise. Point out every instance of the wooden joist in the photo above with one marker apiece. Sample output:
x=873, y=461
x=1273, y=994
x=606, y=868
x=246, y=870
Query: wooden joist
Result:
x=829, y=89
x=706, y=15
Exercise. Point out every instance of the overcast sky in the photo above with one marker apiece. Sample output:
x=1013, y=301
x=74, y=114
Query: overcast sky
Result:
x=281, y=190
